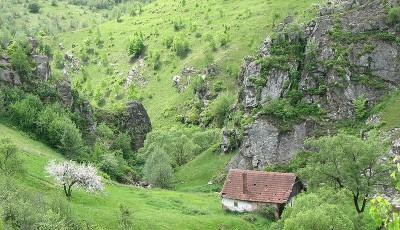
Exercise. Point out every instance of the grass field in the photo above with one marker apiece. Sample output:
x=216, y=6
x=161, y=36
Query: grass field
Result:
x=153, y=209
x=244, y=24
x=389, y=111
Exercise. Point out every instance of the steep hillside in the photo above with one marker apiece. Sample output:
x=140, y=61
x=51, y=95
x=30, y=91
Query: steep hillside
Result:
x=218, y=34
x=152, y=209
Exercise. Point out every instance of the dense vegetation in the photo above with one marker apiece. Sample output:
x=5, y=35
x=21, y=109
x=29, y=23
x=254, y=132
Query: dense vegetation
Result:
x=181, y=60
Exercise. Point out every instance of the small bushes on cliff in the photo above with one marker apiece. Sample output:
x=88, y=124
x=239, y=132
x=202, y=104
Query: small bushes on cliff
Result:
x=20, y=61
x=394, y=15
x=219, y=108
x=285, y=112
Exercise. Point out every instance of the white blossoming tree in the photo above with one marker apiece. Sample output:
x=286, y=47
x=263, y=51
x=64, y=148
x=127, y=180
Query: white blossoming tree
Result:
x=70, y=173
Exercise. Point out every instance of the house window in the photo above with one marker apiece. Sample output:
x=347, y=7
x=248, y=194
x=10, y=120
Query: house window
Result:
x=235, y=203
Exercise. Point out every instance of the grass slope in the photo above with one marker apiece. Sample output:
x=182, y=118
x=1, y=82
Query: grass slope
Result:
x=153, y=209
x=195, y=175
x=244, y=23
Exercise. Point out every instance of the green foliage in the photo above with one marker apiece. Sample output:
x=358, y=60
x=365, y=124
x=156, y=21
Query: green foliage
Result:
x=180, y=46
x=267, y=212
x=125, y=222
x=394, y=15
x=345, y=161
x=383, y=215
x=24, y=113
x=34, y=8
x=360, y=108
x=20, y=62
x=286, y=112
x=158, y=170
x=136, y=45
x=220, y=107
x=10, y=163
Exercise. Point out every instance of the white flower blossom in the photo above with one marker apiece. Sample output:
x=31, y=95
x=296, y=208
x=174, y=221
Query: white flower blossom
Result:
x=70, y=173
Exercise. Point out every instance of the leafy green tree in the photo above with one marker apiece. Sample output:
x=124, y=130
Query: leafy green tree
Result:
x=360, y=108
x=136, y=45
x=34, y=7
x=20, y=62
x=24, y=112
x=9, y=160
x=346, y=161
x=181, y=47
x=158, y=170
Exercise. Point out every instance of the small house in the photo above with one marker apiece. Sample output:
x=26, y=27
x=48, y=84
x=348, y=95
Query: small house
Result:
x=247, y=191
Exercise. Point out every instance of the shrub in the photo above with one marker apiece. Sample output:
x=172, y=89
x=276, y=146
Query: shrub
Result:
x=394, y=15
x=158, y=170
x=20, y=61
x=64, y=134
x=181, y=47
x=168, y=42
x=267, y=212
x=219, y=108
x=24, y=112
x=360, y=108
x=9, y=160
x=178, y=25
x=34, y=7
x=136, y=45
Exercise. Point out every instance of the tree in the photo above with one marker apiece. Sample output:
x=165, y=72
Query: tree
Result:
x=33, y=8
x=70, y=173
x=158, y=170
x=24, y=112
x=9, y=161
x=346, y=161
x=220, y=108
x=20, y=61
x=136, y=45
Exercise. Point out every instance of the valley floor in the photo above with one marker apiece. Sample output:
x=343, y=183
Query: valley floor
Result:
x=152, y=209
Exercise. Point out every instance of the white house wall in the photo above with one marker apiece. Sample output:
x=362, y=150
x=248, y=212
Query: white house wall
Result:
x=242, y=206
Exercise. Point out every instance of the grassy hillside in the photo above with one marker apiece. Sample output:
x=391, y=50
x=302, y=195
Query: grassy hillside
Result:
x=218, y=32
x=153, y=209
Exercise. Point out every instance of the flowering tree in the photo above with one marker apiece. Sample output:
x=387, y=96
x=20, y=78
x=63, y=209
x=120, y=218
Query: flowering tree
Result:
x=70, y=173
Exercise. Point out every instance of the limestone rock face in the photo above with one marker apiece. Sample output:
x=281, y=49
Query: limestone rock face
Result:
x=65, y=93
x=43, y=69
x=264, y=144
x=137, y=122
x=7, y=75
x=345, y=58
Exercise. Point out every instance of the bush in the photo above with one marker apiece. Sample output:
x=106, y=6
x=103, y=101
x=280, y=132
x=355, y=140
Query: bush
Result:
x=219, y=108
x=9, y=160
x=34, y=8
x=360, y=108
x=181, y=47
x=394, y=15
x=267, y=212
x=136, y=45
x=168, y=42
x=24, y=112
x=158, y=170
x=20, y=61
x=64, y=134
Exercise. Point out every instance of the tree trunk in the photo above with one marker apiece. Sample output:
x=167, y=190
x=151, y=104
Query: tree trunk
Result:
x=357, y=204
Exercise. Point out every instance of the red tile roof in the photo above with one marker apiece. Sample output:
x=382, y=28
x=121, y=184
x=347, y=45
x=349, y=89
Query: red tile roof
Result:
x=266, y=187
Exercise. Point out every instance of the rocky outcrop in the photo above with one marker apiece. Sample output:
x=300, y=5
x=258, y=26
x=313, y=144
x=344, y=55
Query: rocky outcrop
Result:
x=264, y=144
x=65, y=93
x=136, y=122
x=71, y=64
x=229, y=140
x=135, y=75
x=42, y=64
x=7, y=74
x=350, y=52
x=86, y=121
